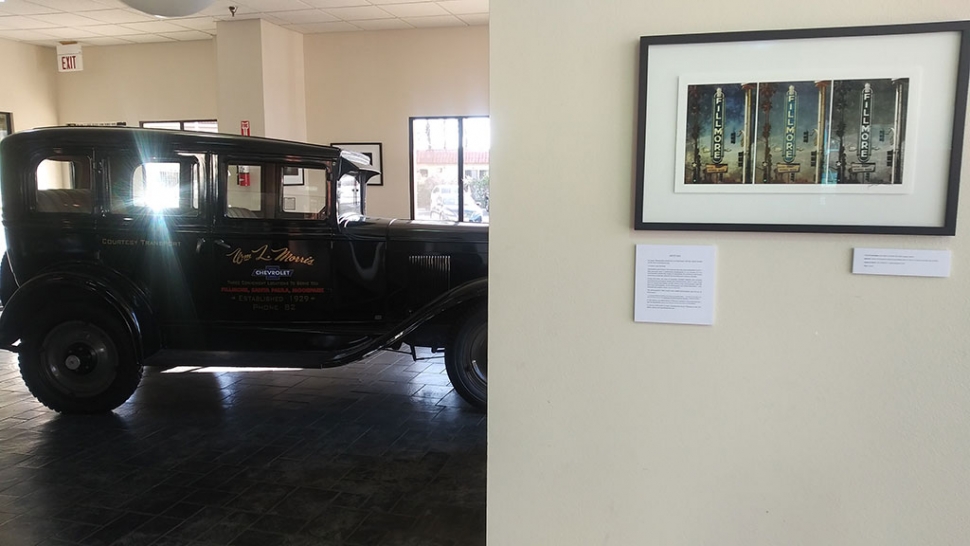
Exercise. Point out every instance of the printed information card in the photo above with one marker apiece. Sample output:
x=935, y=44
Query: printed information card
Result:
x=674, y=284
x=903, y=262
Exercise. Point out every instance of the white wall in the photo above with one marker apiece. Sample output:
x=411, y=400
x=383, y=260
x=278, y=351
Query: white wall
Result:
x=822, y=408
x=140, y=82
x=27, y=85
x=363, y=87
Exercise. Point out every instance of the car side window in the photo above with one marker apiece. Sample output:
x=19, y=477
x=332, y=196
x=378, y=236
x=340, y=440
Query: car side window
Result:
x=63, y=185
x=277, y=190
x=245, y=192
x=305, y=193
x=156, y=185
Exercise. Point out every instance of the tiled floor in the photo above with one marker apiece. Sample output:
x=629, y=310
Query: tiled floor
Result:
x=381, y=452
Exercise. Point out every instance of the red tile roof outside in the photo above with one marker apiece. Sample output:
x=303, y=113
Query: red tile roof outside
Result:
x=449, y=157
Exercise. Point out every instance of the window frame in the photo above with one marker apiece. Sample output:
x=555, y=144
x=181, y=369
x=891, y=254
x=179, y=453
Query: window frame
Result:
x=72, y=155
x=181, y=158
x=273, y=166
x=460, y=164
x=181, y=123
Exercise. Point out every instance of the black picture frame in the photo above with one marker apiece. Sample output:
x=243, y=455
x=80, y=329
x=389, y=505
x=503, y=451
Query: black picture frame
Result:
x=926, y=135
x=373, y=150
x=293, y=176
x=6, y=124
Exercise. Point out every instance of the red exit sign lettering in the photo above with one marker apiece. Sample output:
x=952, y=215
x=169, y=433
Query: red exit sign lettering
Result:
x=69, y=63
x=69, y=58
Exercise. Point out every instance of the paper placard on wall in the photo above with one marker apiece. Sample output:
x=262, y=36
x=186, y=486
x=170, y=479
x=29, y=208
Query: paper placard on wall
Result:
x=674, y=284
x=901, y=262
x=69, y=58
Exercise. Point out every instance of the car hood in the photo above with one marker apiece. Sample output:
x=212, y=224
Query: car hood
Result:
x=416, y=230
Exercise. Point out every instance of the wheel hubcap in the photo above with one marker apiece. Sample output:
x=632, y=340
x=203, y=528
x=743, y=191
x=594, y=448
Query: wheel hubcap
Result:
x=72, y=362
x=479, y=357
x=79, y=359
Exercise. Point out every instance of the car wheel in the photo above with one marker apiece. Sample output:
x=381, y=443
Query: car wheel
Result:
x=466, y=358
x=79, y=360
x=7, y=283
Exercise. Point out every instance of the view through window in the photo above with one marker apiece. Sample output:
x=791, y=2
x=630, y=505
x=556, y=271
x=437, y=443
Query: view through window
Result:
x=201, y=125
x=449, y=168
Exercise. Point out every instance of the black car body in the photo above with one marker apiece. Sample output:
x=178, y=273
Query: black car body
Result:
x=126, y=244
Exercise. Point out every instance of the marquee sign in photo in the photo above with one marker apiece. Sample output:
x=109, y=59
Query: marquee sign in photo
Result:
x=853, y=130
x=815, y=134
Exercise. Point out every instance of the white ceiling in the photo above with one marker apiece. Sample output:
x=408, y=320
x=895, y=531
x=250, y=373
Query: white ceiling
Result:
x=110, y=22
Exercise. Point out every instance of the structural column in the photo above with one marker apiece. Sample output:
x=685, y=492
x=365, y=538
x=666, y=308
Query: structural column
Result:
x=261, y=79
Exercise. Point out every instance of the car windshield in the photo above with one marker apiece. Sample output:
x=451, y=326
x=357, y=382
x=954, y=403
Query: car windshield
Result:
x=348, y=196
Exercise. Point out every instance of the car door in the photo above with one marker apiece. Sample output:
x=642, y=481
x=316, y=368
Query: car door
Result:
x=153, y=220
x=62, y=204
x=271, y=245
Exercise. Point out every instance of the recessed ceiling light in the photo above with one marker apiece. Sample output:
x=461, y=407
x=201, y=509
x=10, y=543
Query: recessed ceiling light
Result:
x=169, y=8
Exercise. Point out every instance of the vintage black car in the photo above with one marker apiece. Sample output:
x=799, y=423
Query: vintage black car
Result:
x=128, y=247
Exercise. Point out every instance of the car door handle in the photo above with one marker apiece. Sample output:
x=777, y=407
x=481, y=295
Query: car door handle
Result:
x=200, y=243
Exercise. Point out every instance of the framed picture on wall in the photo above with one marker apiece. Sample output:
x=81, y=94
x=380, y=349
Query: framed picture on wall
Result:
x=6, y=124
x=370, y=149
x=292, y=176
x=842, y=130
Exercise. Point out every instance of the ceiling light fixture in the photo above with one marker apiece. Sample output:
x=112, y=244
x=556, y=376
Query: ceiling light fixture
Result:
x=169, y=8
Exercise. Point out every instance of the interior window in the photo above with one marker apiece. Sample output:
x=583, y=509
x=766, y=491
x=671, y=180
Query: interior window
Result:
x=245, y=195
x=64, y=186
x=296, y=192
x=304, y=193
x=449, y=178
x=162, y=185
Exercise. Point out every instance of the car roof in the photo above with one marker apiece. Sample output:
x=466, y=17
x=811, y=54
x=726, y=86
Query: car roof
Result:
x=138, y=137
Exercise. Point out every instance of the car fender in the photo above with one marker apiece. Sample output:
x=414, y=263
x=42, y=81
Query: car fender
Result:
x=91, y=282
x=476, y=289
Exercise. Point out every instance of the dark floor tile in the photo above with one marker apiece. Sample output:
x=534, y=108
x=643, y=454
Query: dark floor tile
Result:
x=260, y=497
x=304, y=503
x=94, y=515
x=159, y=525
x=158, y=499
x=379, y=452
x=55, y=542
x=173, y=541
x=230, y=527
x=378, y=526
x=262, y=538
x=283, y=525
x=136, y=538
x=183, y=510
x=209, y=497
x=116, y=530
x=335, y=523
x=253, y=537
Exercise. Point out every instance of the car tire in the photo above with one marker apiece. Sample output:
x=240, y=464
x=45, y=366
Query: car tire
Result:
x=466, y=358
x=79, y=360
x=8, y=285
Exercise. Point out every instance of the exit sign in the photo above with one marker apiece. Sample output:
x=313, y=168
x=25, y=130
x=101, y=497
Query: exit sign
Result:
x=69, y=58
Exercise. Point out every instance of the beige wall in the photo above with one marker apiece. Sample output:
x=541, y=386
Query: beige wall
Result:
x=821, y=408
x=284, y=85
x=142, y=82
x=363, y=87
x=240, y=59
x=27, y=84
